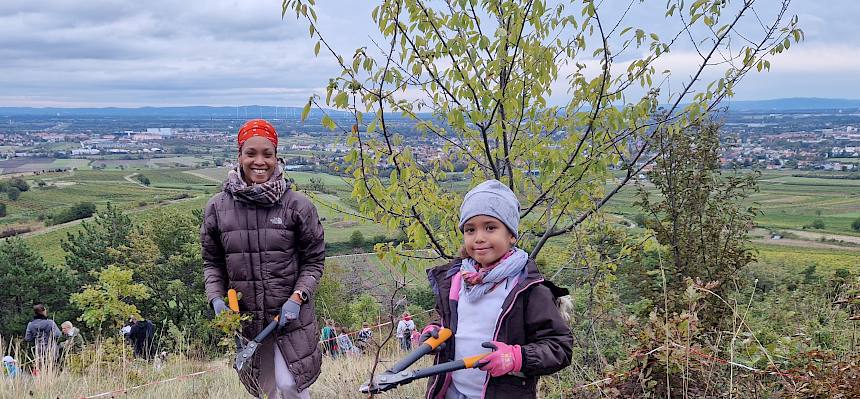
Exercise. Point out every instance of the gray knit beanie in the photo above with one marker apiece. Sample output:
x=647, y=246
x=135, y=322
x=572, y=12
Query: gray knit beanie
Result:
x=492, y=198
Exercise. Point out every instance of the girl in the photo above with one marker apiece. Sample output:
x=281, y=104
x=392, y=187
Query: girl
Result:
x=265, y=240
x=494, y=298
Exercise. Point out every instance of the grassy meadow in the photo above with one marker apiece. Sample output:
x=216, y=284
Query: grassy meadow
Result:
x=340, y=378
x=787, y=202
x=181, y=188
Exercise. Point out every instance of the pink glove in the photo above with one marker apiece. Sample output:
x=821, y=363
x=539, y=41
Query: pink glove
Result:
x=504, y=359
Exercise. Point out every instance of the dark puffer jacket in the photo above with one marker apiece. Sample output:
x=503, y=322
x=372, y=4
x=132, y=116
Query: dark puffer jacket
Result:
x=266, y=253
x=529, y=318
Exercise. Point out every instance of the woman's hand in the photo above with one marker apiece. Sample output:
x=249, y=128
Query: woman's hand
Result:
x=504, y=359
x=290, y=311
x=219, y=306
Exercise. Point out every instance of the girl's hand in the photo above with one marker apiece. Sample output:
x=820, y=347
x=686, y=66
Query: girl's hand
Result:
x=432, y=331
x=504, y=359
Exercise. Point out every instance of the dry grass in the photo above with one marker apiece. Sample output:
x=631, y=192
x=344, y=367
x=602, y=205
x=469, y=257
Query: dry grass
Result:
x=340, y=379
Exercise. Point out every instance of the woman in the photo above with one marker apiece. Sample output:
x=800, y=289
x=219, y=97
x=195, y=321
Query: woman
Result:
x=405, y=327
x=44, y=334
x=266, y=241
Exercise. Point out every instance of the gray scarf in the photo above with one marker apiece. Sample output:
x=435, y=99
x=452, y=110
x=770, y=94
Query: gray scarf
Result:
x=265, y=194
x=478, y=283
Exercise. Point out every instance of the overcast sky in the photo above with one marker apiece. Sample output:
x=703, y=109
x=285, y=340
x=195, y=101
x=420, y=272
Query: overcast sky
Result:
x=221, y=52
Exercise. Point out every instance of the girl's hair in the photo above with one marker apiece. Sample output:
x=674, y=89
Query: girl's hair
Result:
x=462, y=252
x=39, y=310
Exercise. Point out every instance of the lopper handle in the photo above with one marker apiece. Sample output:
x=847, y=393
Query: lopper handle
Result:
x=266, y=331
x=472, y=361
x=426, y=347
x=441, y=368
x=233, y=300
x=444, y=334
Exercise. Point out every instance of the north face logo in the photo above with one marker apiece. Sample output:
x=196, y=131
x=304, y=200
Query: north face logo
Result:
x=276, y=220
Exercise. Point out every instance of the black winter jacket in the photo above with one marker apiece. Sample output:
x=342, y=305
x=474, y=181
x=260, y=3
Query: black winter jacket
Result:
x=529, y=318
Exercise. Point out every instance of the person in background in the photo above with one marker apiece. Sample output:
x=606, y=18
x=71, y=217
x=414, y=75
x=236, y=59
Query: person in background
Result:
x=141, y=334
x=10, y=366
x=363, y=337
x=72, y=342
x=415, y=338
x=344, y=343
x=126, y=330
x=404, y=331
x=328, y=336
x=44, y=334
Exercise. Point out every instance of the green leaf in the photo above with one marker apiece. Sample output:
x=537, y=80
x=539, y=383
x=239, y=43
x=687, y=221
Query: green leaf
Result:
x=306, y=110
x=341, y=100
x=327, y=122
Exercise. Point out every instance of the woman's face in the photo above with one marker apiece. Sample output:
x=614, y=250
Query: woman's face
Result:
x=258, y=158
x=486, y=239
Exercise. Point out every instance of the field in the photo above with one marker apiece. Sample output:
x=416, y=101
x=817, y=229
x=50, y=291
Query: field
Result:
x=300, y=178
x=795, y=259
x=121, y=188
x=47, y=242
x=788, y=203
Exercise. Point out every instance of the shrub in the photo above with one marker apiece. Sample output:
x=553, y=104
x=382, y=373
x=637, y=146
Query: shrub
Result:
x=20, y=184
x=79, y=211
x=13, y=193
x=143, y=180
x=356, y=239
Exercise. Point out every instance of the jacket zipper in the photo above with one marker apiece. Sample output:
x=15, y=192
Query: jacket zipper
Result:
x=499, y=325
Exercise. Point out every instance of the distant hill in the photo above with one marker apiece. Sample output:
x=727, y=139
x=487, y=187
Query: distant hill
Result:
x=241, y=112
x=792, y=104
x=264, y=111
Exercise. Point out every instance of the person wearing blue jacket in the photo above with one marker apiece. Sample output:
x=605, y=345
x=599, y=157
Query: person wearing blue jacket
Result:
x=44, y=334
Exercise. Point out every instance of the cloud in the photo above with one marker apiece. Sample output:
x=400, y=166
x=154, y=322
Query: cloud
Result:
x=228, y=52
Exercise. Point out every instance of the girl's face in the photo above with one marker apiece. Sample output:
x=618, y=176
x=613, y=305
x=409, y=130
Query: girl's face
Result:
x=258, y=159
x=487, y=239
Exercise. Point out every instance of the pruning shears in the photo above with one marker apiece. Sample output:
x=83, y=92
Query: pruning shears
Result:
x=397, y=375
x=246, y=351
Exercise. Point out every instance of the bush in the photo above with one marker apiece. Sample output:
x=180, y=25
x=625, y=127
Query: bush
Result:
x=816, y=224
x=20, y=184
x=640, y=220
x=14, y=231
x=356, y=239
x=79, y=211
x=143, y=180
x=2, y=210
x=856, y=225
x=13, y=193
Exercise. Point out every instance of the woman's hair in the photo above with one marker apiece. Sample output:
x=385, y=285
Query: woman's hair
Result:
x=39, y=310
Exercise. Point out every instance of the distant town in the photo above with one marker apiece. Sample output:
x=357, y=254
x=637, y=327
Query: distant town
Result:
x=789, y=140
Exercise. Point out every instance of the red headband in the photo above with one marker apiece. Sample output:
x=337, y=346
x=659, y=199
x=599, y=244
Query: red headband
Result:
x=258, y=128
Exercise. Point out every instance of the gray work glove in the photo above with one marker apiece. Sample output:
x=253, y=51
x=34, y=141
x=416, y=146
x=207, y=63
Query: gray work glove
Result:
x=219, y=306
x=289, y=312
x=433, y=332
